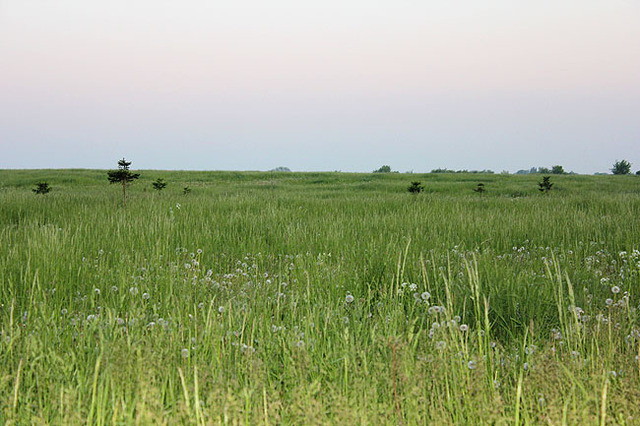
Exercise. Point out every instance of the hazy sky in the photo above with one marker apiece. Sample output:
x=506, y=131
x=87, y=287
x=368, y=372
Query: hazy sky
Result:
x=320, y=84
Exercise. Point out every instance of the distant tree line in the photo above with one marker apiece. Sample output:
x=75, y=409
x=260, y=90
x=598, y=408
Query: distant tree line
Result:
x=384, y=169
x=461, y=171
x=554, y=170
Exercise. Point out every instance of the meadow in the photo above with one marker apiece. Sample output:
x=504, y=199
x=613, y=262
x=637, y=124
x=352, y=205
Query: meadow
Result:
x=319, y=298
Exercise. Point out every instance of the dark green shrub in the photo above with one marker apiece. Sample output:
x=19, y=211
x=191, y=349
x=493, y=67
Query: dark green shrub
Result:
x=546, y=185
x=415, y=187
x=159, y=184
x=42, y=188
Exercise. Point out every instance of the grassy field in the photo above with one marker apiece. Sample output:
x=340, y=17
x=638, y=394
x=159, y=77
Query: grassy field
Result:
x=279, y=298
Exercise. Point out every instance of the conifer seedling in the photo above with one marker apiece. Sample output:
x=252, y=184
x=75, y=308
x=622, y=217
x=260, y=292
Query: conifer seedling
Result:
x=122, y=176
x=42, y=188
x=159, y=184
x=545, y=185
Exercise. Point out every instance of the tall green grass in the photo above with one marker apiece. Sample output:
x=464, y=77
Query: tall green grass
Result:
x=319, y=298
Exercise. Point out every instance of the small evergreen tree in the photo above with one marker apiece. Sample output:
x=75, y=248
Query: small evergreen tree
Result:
x=123, y=176
x=622, y=167
x=480, y=188
x=159, y=184
x=415, y=187
x=42, y=188
x=545, y=185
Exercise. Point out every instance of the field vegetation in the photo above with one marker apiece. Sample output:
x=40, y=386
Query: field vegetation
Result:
x=314, y=298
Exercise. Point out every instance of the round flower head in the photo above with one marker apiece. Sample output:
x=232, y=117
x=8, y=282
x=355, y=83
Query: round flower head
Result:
x=349, y=298
x=615, y=289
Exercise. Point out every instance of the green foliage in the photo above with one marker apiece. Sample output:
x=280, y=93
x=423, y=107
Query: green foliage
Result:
x=558, y=170
x=159, y=184
x=545, y=185
x=122, y=176
x=480, y=188
x=42, y=188
x=415, y=187
x=383, y=169
x=186, y=190
x=622, y=167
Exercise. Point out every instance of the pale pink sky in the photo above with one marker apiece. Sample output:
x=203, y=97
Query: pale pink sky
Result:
x=319, y=85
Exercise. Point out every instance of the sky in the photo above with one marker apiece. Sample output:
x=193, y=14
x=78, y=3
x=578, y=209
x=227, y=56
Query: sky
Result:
x=320, y=85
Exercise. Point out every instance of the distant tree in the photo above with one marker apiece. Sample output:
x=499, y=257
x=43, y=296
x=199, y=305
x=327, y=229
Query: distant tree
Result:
x=480, y=188
x=638, y=173
x=544, y=170
x=558, y=170
x=545, y=185
x=280, y=169
x=159, y=184
x=383, y=169
x=42, y=188
x=122, y=176
x=415, y=187
x=622, y=167
x=186, y=190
